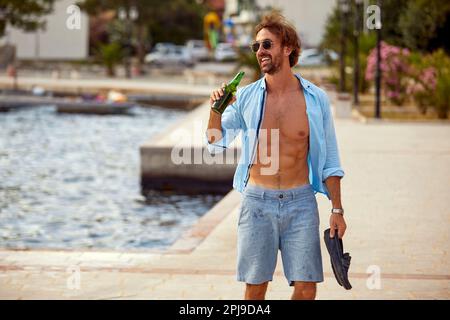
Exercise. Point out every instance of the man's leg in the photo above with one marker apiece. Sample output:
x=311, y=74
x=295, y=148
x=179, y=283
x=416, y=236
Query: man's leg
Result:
x=300, y=244
x=258, y=242
x=304, y=290
x=256, y=291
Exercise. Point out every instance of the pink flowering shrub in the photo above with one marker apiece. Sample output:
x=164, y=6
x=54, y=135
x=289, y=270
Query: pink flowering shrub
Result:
x=394, y=71
x=429, y=83
x=422, y=85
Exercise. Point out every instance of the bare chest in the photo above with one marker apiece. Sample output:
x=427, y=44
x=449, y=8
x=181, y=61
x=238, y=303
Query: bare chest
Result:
x=287, y=114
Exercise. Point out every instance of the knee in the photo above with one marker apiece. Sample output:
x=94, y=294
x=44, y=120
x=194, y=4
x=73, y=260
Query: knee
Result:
x=255, y=291
x=304, y=291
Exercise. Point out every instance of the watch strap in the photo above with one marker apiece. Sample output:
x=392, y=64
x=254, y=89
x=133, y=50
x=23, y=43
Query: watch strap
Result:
x=338, y=211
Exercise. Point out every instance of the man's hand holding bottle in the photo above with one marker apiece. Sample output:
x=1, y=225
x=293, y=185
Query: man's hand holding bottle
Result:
x=221, y=98
x=216, y=95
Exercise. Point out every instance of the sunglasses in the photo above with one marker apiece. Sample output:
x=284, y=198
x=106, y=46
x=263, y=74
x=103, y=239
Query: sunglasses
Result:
x=266, y=44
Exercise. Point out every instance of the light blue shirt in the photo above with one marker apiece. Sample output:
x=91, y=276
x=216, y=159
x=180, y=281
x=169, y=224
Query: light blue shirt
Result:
x=245, y=116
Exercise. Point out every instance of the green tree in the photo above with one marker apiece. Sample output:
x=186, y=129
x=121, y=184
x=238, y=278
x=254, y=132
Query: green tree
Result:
x=180, y=21
x=23, y=14
x=158, y=20
x=414, y=24
x=331, y=40
x=442, y=95
x=424, y=25
x=391, y=10
x=109, y=55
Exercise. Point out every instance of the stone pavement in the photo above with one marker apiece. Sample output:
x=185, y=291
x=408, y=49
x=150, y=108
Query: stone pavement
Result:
x=158, y=85
x=395, y=193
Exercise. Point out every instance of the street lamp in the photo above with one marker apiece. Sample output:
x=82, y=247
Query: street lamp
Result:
x=344, y=9
x=129, y=16
x=356, y=67
x=378, y=69
x=133, y=13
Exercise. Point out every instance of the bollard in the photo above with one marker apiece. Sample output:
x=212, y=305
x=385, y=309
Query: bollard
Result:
x=342, y=106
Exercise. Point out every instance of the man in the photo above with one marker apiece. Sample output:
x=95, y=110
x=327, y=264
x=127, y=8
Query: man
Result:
x=279, y=209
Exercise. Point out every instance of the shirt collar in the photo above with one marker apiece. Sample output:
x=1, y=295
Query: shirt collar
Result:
x=305, y=84
x=262, y=83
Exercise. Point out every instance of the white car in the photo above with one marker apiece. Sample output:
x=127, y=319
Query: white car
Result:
x=311, y=57
x=225, y=52
x=197, y=49
x=169, y=54
x=315, y=57
x=332, y=55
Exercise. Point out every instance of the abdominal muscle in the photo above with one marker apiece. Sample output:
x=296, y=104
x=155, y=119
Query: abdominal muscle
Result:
x=292, y=165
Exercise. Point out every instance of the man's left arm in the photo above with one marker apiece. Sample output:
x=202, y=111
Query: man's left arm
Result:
x=337, y=220
x=332, y=172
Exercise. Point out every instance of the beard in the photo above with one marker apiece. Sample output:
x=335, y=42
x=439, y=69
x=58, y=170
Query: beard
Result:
x=272, y=66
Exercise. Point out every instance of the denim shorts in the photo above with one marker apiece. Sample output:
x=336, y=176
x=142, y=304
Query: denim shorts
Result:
x=285, y=220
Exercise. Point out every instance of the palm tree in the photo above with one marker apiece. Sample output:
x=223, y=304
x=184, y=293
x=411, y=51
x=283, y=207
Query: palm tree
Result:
x=248, y=59
x=110, y=55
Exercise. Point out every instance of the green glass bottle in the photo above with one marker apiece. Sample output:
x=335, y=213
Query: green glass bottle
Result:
x=220, y=105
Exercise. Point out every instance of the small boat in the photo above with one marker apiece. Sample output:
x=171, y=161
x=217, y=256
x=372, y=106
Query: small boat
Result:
x=94, y=107
x=186, y=102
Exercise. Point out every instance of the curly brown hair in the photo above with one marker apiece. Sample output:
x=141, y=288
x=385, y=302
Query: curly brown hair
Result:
x=278, y=25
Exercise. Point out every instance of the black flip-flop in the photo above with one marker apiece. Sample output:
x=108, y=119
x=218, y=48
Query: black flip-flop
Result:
x=340, y=262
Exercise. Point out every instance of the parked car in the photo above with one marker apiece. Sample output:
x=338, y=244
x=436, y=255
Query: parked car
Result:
x=198, y=50
x=315, y=57
x=311, y=57
x=225, y=52
x=169, y=54
x=331, y=55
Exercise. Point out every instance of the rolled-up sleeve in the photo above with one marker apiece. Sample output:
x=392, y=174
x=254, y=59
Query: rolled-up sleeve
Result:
x=231, y=127
x=332, y=165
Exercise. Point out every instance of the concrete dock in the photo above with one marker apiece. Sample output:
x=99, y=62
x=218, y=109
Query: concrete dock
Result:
x=395, y=193
x=78, y=86
x=177, y=158
x=14, y=101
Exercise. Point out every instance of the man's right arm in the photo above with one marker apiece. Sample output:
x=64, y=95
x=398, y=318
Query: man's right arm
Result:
x=214, y=131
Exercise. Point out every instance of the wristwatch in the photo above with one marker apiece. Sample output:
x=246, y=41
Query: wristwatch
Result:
x=338, y=211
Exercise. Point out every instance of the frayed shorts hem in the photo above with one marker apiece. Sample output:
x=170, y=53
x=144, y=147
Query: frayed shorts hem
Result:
x=300, y=279
x=253, y=281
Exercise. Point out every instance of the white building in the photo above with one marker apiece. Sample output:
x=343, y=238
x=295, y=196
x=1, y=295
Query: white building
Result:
x=308, y=16
x=66, y=36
